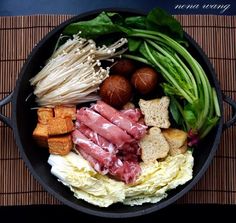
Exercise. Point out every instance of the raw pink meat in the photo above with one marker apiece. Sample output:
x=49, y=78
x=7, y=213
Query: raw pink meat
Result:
x=97, y=139
x=133, y=114
x=92, y=149
x=125, y=171
x=103, y=127
x=94, y=163
x=137, y=130
x=130, y=152
x=104, y=162
x=108, y=140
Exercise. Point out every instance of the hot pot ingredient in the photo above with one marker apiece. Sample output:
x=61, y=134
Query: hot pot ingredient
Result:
x=153, y=145
x=65, y=111
x=177, y=140
x=195, y=105
x=156, y=112
x=54, y=127
x=123, y=67
x=132, y=113
x=96, y=138
x=144, y=80
x=73, y=73
x=103, y=127
x=101, y=138
x=76, y=172
x=44, y=114
x=151, y=186
x=136, y=130
x=158, y=143
x=116, y=90
x=95, y=151
x=59, y=126
x=40, y=135
x=60, y=144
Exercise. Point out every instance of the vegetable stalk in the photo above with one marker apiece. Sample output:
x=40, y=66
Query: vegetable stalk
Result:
x=156, y=40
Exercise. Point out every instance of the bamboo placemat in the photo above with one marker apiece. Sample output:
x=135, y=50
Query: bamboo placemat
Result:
x=216, y=35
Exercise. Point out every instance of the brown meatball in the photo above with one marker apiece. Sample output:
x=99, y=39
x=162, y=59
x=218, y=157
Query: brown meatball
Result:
x=116, y=91
x=144, y=79
x=123, y=67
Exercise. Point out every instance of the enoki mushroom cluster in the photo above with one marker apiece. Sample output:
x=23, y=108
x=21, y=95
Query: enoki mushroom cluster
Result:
x=73, y=73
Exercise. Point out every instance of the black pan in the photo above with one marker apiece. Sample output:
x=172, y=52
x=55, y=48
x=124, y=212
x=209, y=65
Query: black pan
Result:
x=23, y=121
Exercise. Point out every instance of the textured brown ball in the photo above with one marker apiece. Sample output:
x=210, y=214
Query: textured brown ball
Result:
x=123, y=67
x=144, y=80
x=116, y=90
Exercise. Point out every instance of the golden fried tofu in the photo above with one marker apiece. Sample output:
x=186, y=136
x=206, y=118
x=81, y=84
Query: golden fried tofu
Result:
x=44, y=114
x=177, y=140
x=58, y=126
x=40, y=135
x=60, y=145
x=65, y=111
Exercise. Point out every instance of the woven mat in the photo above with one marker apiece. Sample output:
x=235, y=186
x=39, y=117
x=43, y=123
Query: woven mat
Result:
x=216, y=35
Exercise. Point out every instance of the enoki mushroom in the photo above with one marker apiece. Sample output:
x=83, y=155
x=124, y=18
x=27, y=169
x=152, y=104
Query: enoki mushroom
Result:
x=73, y=73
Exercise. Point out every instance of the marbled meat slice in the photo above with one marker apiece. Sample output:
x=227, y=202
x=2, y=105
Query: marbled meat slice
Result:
x=137, y=130
x=99, y=167
x=133, y=114
x=96, y=138
x=102, y=156
x=126, y=171
x=103, y=127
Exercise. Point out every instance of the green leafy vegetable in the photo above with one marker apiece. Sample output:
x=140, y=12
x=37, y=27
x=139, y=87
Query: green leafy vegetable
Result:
x=134, y=44
x=116, y=18
x=174, y=109
x=160, y=20
x=94, y=28
x=138, y=22
x=157, y=40
x=189, y=116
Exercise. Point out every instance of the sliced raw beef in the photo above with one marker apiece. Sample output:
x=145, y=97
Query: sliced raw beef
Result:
x=103, y=127
x=93, y=162
x=125, y=171
x=137, y=130
x=133, y=114
x=102, y=156
x=97, y=139
x=131, y=148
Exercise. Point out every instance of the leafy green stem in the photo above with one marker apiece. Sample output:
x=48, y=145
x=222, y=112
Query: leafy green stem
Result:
x=137, y=58
x=166, y=74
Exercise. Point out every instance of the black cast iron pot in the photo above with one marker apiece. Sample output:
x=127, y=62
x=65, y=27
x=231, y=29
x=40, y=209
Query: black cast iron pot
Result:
x=23, y=121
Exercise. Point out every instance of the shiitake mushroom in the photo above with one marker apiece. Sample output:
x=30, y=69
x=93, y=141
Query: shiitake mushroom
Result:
x=123, y=67
x=116, y=90
x=144, y=80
